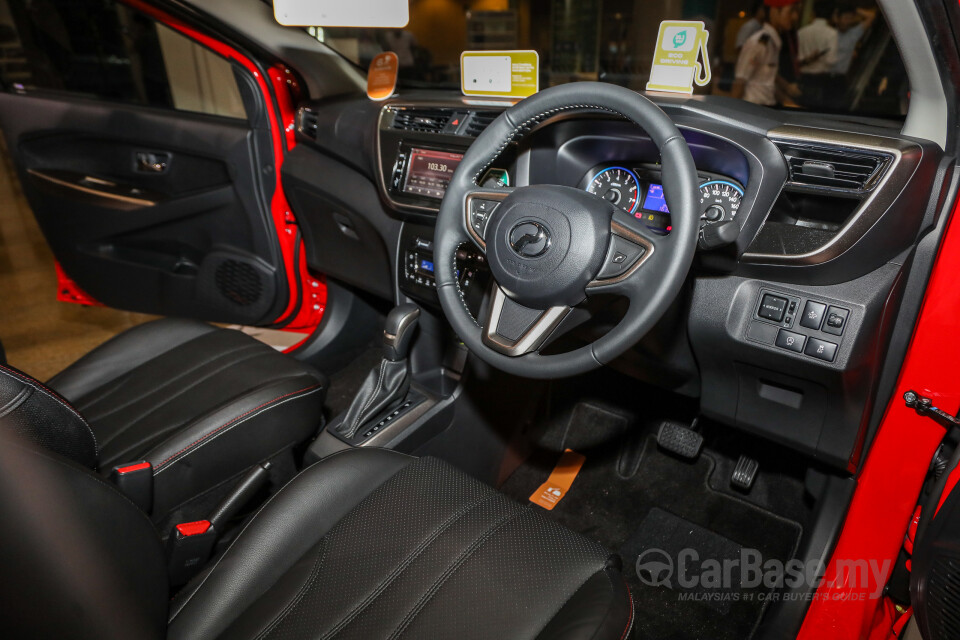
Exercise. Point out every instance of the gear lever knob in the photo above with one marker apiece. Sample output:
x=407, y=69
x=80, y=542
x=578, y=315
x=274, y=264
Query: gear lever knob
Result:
x=398, y=331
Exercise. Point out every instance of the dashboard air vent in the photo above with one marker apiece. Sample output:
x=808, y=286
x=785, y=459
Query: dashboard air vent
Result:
x=308, y=123
x=834, y=168
x=424, y=120
x=479, y=121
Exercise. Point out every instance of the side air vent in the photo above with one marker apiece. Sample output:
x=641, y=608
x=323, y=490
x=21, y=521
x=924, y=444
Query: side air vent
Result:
x=308, y=122
x=423, y=120
x=479, y=120
x=833, y=168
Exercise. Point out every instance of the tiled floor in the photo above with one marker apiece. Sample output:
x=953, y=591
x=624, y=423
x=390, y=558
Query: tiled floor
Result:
x=41, y=335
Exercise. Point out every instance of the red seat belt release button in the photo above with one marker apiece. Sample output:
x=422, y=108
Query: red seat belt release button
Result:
x=187, y=529
x=188, y=549
x=135, y=480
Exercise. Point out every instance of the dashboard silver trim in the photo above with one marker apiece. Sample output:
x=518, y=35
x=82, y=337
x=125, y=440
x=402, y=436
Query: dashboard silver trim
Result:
x=870, y=210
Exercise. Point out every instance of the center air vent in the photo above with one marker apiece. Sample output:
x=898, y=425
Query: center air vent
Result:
x=424, y=120
x=833, y=168
x=479, y=121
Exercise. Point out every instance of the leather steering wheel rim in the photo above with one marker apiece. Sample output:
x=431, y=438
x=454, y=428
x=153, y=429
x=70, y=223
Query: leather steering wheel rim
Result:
x=667, y=269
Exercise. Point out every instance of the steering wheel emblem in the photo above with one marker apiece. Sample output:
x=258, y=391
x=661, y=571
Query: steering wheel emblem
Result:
x=529, y=239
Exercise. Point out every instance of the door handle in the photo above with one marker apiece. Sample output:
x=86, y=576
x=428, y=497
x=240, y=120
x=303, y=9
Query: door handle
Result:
x=149, y=162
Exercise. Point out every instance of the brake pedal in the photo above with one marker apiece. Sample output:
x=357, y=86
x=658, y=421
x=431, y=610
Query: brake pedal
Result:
x=744, y=473
x=679, y=439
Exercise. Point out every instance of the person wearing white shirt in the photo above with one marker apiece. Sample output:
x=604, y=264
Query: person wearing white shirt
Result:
x=817, y=53
x=852, y=24
x=759, y=60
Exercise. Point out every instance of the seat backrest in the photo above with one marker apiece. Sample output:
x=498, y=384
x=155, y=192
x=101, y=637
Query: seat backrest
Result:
x=40, y=415
x=78, y=559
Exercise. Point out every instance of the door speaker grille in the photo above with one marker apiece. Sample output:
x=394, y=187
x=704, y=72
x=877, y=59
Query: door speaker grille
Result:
x=944, y=598
x=239, y=282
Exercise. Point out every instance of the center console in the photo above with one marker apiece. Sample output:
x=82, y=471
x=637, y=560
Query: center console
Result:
x=420, y=147
x=417, y=267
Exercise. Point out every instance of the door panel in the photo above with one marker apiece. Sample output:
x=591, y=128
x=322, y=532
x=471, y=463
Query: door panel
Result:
x=148, y=160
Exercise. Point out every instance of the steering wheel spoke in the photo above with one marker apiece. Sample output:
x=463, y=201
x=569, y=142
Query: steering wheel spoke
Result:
x=513, y=329
x=478, y=205
x=629, y=251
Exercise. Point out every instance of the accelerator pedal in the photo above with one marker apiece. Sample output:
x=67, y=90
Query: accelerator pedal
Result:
x=744, y=473
x=679, y=439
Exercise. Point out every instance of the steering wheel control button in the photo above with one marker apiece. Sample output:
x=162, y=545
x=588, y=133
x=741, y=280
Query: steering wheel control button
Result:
x=812, y=315
x=821, y=349
x=772, y=307
x=836, y=321
x=480, y=211
x=622, y=255
x=790, y=340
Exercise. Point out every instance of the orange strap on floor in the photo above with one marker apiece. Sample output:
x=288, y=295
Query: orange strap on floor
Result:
x=558, y=484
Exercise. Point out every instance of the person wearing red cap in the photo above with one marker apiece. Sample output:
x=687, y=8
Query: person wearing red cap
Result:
x=759, y=60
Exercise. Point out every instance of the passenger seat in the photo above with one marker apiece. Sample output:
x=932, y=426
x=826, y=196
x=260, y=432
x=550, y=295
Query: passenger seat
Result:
x=201, y=404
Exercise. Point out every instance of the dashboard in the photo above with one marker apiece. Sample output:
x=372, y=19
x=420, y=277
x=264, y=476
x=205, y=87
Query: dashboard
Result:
x=799, y=216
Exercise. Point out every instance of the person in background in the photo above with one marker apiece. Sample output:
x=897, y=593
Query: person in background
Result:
x=788, y=77
x=759, y=61
x=852, y=24
x=817, y=52
x=757, y=17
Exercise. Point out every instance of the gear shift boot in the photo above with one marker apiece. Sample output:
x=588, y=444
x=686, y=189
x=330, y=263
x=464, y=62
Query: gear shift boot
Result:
x=385, y=387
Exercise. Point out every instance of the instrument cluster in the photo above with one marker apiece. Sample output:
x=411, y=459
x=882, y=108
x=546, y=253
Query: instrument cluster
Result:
x=639, y=191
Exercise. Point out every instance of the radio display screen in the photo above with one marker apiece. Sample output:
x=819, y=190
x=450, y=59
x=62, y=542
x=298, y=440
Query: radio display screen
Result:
x=429, y=172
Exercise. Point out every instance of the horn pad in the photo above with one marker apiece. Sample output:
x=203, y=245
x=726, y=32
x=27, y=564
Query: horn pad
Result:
x=545, y=243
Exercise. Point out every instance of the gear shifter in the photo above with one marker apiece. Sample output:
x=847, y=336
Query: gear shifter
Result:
x=386, y=386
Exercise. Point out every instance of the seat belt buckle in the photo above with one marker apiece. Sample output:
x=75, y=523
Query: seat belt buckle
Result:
x=135, y=480
x=188, y=549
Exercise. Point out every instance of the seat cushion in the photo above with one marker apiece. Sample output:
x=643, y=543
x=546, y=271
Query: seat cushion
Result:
x=201, y=404
x=373, y=544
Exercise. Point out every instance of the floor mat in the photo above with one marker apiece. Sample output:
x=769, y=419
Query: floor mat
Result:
x=633, y=498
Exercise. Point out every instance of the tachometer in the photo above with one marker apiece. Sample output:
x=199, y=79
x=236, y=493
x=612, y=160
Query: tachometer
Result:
x=617, y=186
x=719, y=200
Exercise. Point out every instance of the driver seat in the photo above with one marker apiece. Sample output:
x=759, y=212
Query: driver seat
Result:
x=364, y=544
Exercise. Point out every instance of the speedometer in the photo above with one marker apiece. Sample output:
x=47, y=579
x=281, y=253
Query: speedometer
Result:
x=617, y=186
x=719, y=200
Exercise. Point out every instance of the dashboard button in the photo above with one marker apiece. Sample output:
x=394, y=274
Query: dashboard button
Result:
x=821, y=349
x=621, y=255
x=812, y=314
x=836, y=321
x=772, y=307
x=790, y=340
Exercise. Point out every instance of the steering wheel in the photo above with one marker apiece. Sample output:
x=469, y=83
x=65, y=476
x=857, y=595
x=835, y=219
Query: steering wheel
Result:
x=550, y=247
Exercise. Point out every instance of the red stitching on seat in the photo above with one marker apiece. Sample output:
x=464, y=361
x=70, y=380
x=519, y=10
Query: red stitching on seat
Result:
x=630, y=620
x=224, y=426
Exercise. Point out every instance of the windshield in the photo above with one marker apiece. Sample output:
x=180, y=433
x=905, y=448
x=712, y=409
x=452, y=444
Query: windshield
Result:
x=810, y=54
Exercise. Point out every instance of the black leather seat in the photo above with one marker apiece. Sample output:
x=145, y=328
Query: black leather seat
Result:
x=364, y=544
x=202, y=404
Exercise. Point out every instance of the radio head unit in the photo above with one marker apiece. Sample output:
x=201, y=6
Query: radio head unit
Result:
x=423, y=173
x=429, y=172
